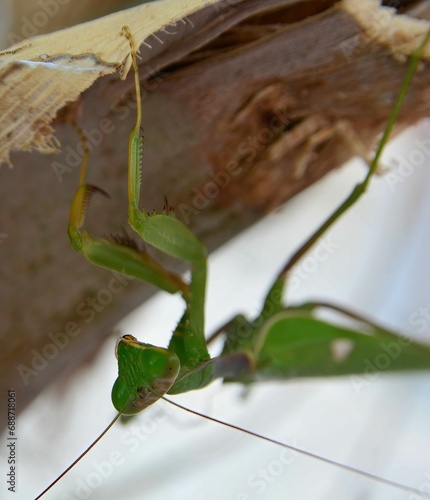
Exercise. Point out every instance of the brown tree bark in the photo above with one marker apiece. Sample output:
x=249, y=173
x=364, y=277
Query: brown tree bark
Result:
x=245, y=103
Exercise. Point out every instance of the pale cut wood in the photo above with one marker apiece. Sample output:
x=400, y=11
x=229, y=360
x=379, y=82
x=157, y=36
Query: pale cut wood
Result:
x=42, y=74
x=29, y=18
x=246, y=105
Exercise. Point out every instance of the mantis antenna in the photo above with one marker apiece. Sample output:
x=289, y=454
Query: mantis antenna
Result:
x=326, y=460
x=82, y=455
x=188, y=347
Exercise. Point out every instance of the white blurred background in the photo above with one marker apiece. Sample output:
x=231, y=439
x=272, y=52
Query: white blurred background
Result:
x=379, y=266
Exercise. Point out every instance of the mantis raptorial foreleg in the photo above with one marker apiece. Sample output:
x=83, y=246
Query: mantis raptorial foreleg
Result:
x=114, y=255
x=278, y=343
x=163, y=231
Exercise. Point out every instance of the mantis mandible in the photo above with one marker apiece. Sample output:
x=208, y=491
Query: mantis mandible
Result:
x=280, y=342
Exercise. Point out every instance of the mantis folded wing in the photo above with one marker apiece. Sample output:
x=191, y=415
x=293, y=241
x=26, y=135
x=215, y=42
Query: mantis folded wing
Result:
x=279, y=343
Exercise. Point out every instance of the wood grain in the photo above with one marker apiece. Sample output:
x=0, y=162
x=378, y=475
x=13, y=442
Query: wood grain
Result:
x=246, y=104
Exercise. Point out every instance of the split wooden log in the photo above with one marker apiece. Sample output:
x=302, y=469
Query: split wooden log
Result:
x=245, y=103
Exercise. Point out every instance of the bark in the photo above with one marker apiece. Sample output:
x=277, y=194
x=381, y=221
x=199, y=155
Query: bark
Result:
x=245, y=103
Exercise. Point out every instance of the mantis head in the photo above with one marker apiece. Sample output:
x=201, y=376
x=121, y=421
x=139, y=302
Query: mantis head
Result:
x=145, y=373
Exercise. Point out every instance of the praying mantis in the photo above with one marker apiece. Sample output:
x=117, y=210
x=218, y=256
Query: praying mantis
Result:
x=279, y=343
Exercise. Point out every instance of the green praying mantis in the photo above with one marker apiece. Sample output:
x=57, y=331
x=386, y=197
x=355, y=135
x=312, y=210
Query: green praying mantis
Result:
x=280, y=343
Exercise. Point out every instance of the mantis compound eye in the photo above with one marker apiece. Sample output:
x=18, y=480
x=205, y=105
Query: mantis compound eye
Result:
x=121, y=339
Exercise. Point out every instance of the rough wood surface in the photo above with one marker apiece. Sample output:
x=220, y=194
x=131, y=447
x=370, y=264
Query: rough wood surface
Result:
x=245, y=104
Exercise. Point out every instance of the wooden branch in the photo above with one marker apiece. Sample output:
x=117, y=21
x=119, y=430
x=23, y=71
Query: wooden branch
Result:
x=245, y=103
x=52, y=70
